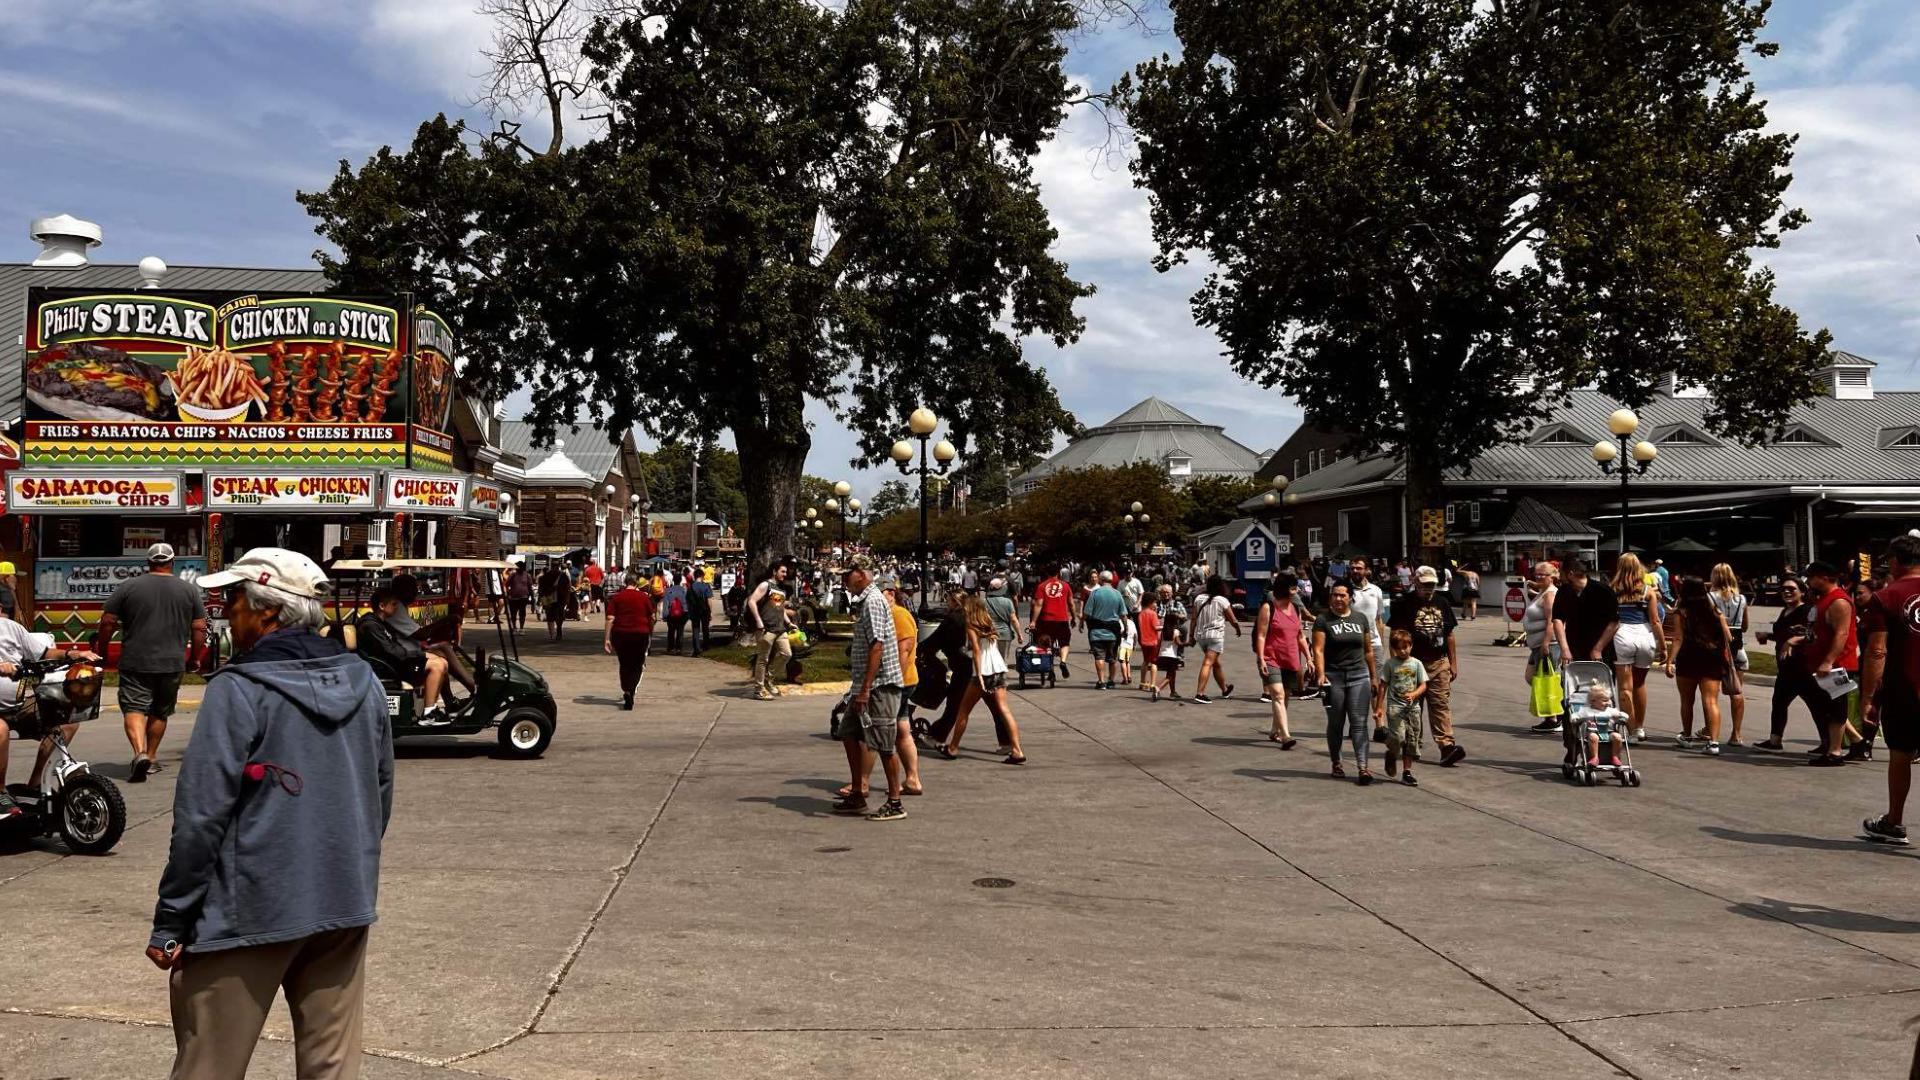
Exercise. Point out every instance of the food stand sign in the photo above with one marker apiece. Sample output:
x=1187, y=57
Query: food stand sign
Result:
x=425, y=493
x=483, y=498
x=95, y=492
x=433, y=379
x=267, y=489
x=215, y=378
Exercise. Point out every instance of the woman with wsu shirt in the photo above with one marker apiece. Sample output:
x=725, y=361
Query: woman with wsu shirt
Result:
x=629, y=632
x=1343, y=655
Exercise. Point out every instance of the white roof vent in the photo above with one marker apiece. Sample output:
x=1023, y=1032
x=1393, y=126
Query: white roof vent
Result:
x=152, y=269
x=64, y=240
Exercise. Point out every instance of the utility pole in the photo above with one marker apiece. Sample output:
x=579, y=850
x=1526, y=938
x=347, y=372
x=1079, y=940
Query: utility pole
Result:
x=693, y=501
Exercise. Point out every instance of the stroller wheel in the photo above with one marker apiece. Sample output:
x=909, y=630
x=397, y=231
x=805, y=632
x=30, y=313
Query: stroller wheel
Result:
x=1633, y=778
x=1590, y=776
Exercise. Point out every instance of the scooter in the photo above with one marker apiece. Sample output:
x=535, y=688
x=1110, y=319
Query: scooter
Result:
x=85, y=808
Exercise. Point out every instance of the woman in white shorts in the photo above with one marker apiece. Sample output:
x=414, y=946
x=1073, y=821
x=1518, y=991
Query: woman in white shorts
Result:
x=1638, y=643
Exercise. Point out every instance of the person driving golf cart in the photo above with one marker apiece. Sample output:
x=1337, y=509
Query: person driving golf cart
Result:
x=383, y=642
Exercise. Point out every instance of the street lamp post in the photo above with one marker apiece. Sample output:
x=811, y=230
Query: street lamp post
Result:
x=840, y=502
x=1623, y=423
x=920, y=425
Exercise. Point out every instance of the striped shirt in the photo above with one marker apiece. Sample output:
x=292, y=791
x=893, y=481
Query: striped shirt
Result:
x=873, y=621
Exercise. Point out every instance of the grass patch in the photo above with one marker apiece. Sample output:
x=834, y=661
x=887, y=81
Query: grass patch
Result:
x=1762, y=663
x=827, y=663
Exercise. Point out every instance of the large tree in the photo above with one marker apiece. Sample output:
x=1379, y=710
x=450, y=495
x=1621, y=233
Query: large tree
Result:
x=774, y=201
x=1431, y=219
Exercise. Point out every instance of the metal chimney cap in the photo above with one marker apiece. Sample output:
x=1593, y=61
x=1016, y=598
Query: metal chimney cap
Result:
x=64, y=240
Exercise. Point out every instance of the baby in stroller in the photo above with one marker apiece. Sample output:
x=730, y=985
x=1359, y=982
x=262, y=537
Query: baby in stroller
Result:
x=1600, y=720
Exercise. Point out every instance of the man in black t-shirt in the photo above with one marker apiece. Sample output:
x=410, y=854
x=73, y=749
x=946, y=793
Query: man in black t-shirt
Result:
x=1430, y=621
x=162, y=621
x=1585, y=615
x=1890, y=682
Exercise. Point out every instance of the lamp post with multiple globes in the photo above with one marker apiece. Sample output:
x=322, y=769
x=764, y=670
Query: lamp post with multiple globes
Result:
x=1137, y=521
x=920, y=425
x=1623, y=423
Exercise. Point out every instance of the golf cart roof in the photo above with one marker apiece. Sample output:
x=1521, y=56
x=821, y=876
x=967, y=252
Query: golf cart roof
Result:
x=374, y=565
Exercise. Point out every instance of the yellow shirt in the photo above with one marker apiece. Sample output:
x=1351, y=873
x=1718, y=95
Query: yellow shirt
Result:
x=908, y=632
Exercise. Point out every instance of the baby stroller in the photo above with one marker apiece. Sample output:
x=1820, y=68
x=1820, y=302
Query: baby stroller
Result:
x=1035, y=659
x=1579, y=676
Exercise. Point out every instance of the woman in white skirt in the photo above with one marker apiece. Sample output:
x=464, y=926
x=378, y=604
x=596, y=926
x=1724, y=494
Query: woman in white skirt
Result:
x=1639, y=642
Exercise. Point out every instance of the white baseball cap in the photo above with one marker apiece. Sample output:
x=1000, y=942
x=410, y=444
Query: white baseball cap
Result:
x=160, y=553
x=277, y=568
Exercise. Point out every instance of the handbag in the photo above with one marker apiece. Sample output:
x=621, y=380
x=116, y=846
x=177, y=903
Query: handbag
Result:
x=1549, y=696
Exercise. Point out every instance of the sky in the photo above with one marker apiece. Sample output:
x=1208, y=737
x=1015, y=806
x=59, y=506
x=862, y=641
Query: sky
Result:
x=184, y=127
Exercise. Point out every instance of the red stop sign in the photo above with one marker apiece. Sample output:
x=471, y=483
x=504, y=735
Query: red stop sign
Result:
x=1516, y=604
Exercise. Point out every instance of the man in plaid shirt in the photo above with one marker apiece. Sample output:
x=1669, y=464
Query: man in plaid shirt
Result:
x=867, y=724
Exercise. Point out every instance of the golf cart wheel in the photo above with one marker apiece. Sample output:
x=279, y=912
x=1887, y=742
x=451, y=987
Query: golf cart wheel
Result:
x=525, y=733
x=92, y=814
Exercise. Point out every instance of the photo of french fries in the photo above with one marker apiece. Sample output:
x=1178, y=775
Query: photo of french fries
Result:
x=214, y=384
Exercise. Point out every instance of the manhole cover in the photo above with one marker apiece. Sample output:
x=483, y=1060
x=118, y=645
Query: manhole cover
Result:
x=993, y=883
x=832, y=850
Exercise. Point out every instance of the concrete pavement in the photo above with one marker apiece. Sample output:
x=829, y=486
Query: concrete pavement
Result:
x=666, y=894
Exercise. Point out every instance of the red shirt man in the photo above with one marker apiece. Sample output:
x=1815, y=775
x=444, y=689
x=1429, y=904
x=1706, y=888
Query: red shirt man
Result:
x=630, y=611
x=1053, y=612
x=1890, y=681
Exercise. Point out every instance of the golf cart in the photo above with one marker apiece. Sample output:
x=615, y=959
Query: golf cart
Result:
x=507, y=694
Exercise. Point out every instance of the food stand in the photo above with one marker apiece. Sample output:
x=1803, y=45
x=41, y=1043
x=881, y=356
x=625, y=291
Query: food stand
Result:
x=218, y=422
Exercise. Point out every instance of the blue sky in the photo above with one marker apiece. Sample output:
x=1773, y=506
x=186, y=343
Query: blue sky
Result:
x=183, y=127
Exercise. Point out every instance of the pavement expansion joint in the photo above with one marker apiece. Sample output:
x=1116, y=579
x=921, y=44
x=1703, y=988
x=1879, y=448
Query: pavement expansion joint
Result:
x=1012, y=1029
x=1329, y=886
x=1736, y=1006
x=620, y=874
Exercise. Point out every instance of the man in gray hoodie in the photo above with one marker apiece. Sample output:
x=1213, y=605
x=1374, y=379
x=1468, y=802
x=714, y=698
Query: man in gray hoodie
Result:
x=283, y=797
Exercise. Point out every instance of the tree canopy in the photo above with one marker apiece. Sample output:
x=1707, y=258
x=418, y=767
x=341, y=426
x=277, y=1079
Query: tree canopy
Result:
x=780, y=201
x=1431, y=219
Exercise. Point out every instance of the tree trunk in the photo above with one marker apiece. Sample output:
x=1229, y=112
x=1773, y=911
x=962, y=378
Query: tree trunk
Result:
x=1425, y=491
x=773, y=455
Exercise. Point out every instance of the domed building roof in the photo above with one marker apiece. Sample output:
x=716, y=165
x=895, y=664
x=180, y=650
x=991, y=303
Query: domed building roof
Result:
x=1151, y=431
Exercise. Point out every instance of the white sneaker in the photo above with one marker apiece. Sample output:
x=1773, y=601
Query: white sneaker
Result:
x=1712, y=749
x=1639, y=735
x=1685, y=742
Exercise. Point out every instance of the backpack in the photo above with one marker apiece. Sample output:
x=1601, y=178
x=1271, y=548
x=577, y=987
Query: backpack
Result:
x=676, y=608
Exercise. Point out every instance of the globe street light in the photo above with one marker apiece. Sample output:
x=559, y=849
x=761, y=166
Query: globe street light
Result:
x=1611, y=459
x=921, y=424
x=841, y=503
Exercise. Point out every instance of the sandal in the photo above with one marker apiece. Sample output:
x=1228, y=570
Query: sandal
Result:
x=1339, y=773
x=913, y=791
x=947, y=752
x=1288, y=744
x=1365, y=778
x=1012, y=760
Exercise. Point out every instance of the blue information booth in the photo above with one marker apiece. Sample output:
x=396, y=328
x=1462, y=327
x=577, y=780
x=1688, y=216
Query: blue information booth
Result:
x=1256, y=553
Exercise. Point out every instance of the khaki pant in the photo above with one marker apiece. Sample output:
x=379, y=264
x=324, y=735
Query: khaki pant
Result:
x=1439, y=699
x=220, y=1002
x=771, y=645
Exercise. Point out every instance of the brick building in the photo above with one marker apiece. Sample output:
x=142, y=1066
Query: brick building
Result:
x=581, y=493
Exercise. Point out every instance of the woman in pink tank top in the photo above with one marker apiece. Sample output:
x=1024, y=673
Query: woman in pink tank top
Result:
x=1277, y=643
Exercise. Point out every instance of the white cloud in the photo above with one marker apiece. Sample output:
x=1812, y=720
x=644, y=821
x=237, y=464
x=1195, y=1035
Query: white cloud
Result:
x=1090, y=195
x=1830, y=44
x=1857, y=174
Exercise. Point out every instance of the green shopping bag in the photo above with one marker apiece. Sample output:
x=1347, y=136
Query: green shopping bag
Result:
x=1549, y=696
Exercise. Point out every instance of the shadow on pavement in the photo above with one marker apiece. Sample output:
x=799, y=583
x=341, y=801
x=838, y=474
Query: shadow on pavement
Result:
x=816, y=783
x=590, y=699
x=1794, y=840
x=1538, y=770
x=1275, y=776
x=1224, y=740
x=1824, y=917
x=406, y=748
x=805, y=805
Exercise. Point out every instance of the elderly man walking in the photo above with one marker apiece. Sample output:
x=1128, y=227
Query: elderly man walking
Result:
x=869, y=724
x=283, y=799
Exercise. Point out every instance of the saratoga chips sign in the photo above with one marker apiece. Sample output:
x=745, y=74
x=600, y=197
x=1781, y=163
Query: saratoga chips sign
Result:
x=425, y=493
x=100, y=492
x=291, y=491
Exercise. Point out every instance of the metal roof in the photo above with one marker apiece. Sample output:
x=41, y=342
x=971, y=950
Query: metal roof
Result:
x=1855, y=455
x=1152, y=431
x=1531, y=517
x=17, y=278
x=590, y=448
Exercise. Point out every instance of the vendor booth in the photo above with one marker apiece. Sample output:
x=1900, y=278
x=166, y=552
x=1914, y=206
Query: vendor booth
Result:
x=219, y=422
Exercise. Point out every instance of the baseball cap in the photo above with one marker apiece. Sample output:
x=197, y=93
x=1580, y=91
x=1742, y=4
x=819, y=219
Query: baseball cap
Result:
x=887, y=581
x=6, y=568
x=1427, y=574
x=276, y=568
x=160, y=553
